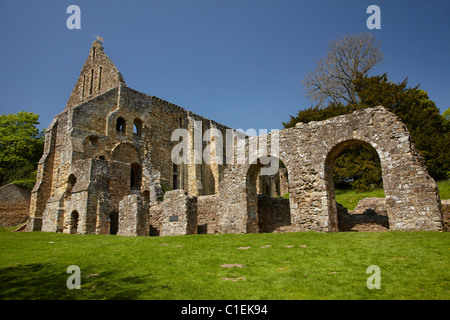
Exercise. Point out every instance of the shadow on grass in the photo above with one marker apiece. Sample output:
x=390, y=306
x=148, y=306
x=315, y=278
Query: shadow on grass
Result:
x=47, y=282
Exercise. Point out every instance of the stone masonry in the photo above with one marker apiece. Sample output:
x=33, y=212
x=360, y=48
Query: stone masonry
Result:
x=14, y=205
x=107, y=168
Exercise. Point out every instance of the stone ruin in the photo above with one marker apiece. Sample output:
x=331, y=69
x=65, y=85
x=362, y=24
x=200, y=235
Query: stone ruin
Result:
x=14, y=205
x=107, y=169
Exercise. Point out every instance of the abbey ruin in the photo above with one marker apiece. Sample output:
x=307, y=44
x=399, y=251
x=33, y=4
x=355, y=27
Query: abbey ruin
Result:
x=107, y=168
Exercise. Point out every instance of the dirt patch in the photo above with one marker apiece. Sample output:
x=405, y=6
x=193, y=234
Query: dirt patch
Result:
x=232, y=265
x=233, y=279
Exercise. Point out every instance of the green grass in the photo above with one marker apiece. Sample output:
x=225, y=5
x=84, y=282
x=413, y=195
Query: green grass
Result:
x=414, y=265
x=350, y=198
x=444, y=189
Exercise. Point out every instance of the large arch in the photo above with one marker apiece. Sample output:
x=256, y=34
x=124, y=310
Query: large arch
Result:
x=267, y=211
x=329, y=164
x=238, y=209
x=125, y=152
x=308, y=150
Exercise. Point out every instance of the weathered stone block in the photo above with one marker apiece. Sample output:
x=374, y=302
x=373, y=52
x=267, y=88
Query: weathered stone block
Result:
x=133, y=216
x=179, y=215
x=14, y=205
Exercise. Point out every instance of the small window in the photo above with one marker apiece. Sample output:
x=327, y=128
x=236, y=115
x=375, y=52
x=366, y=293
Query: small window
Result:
x=92, y=81
x=120, y=125
x=84, y=85
x=137, y=127
x=99, y=78
x=74, y=216
x=70, y=184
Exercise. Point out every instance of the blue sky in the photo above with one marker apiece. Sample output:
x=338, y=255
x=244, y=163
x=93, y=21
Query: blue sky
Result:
x=239, y=62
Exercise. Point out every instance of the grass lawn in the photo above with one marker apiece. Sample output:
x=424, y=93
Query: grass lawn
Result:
x=350, y=198
x=308, y=265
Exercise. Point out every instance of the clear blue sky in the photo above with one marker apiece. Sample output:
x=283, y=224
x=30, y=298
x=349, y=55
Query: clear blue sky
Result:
x=239, y=62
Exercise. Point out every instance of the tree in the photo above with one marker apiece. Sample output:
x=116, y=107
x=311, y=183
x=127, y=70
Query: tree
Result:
x=317, y=113
x=446, y=114
x=21, y=146
x=359, y=167
x=347, y=59
x=429, y=130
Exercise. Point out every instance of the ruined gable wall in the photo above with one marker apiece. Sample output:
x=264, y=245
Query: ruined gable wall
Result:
x=98, y=75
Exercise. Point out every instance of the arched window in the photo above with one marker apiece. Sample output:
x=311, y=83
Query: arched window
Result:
x=70, y=183
x=74, y=222
x=137, y=127
x=120, y=125
x=92, y=81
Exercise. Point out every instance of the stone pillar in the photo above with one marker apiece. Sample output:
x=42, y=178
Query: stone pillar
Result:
x=133, y=216
x=179, y=215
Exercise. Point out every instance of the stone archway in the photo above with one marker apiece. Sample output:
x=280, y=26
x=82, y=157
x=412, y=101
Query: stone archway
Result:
x=412, y=198
x=329, y=164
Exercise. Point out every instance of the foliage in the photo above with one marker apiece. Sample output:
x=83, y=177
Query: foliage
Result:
x=444, y=189
x=318, y=113
x=350, y=198
x=21, y=146
x=347, y=59
x=359, y=167
x=429, y=130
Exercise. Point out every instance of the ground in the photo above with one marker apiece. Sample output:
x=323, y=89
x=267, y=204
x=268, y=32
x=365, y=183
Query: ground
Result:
x=305, y=265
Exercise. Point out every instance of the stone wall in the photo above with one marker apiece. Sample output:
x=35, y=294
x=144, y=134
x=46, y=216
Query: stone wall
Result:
x=207, y=219
x=369, y=215
x=97, y=76
x=133, y=216
x=446, y=214
x=111, y=143
x=14, y=205
x=309, y=151
x=273, y=214
x=130, y=133
x=179, y=214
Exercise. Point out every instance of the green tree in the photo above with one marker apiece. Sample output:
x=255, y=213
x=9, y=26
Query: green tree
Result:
x=21, y=146
x=318, y=113
x=446, y=114
x=359, y=167
x=429, y=130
